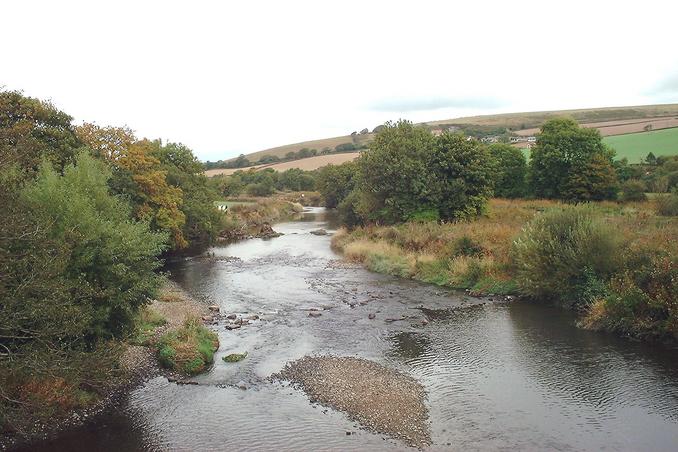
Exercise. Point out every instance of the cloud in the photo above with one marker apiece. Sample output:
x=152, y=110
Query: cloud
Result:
x=409, y=104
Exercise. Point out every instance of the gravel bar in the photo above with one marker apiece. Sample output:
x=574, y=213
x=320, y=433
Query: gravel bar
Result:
x=383, y=400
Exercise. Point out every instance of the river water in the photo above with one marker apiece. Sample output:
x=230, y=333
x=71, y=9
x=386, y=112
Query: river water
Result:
x=498, y=376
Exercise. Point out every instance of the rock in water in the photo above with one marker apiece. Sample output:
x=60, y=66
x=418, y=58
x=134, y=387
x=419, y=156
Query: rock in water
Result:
x=314, y=314
x=319, y=232
x=234, y=357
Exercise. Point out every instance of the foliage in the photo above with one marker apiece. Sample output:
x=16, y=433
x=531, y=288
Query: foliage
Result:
x=407, y=170
x=184, y=171
x=633, y=190
x=643, y=299
x=32, y=130
x=562, y=253
x=461, y=177
x=165, y=184
x=189, y=349
x=571, y=163
x=394, y=176
x=335, y=182
x=510, y=171
x=111, y=259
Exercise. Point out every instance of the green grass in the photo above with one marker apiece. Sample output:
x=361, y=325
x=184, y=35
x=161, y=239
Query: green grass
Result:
x=636, y=146
x=190, y=349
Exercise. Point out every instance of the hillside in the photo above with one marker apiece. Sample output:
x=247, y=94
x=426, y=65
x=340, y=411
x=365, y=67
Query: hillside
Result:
x=307, y=164
x=319, y=145
x=611, y=121
x=527, y=120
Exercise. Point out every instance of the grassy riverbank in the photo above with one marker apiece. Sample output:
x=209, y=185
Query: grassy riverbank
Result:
x=631, y=289
x=253, y=217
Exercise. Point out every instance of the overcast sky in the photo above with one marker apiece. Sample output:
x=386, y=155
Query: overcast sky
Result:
x=229, y=77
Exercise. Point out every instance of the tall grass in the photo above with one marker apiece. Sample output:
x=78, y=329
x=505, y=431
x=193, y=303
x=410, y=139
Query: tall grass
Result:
x=566, y=255
x=190, y=349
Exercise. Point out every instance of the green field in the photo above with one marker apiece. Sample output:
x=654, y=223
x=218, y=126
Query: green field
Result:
x=636, y=146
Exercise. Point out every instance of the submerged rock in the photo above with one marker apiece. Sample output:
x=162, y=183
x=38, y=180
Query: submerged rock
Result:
x=319, y=232
x=314, y=314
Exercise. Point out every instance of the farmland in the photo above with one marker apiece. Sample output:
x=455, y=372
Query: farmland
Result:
x=307, y=164
x=319, y=145
x=636, y=146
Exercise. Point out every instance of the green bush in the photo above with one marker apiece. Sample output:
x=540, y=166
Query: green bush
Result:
x=633, y=190
x=190, y=349
x=565, y=255
x=424, y=215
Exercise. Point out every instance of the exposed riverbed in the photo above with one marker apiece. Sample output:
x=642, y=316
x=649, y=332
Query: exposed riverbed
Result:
x=497, y=376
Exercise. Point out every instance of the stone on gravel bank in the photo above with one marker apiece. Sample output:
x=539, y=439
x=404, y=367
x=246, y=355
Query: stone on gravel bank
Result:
x=381, y=399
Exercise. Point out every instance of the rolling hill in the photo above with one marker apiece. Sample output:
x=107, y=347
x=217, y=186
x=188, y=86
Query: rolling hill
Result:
x=643, y=120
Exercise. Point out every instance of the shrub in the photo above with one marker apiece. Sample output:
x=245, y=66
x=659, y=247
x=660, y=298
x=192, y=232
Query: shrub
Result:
x=190, y=349
x=667, y=205
x=564, y=255
x=633, y=190
x=465, y=246
x=641, y=301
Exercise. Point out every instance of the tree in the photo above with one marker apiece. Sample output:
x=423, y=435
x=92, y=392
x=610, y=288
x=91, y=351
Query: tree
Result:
x=651, y=159
x=461, y=176
x=111, y=260
x=145, y=182
x=107, y=143
x=184, y=172
x=335, y=182
x=564, y=163
x=510, y=171
x=32, y=130
x=394, y=177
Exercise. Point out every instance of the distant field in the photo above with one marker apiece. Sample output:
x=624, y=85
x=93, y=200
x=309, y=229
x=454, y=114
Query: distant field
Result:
x=308, y=164
x=331, y=143
x=636, y=146
x=527, y=120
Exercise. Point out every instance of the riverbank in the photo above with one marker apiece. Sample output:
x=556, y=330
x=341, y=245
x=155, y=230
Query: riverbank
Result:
x=127, y=364
x=251, y=218
x=635, y=297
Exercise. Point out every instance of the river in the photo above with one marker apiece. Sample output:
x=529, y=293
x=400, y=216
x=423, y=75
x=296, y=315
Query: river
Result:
x=497, y=376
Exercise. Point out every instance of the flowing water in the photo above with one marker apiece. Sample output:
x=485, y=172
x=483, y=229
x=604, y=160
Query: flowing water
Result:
x=498, y=376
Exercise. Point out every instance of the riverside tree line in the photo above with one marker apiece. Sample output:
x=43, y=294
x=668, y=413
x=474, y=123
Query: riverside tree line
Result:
x=87, y=213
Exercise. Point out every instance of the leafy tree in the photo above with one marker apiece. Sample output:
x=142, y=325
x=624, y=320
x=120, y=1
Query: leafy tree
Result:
x=594, y=180
x=184, y=172
x=571, y=163
x=109, y=143
x=651, y=159
x=633, y=190
x=510, y=171
x=155, y=200
x=269, y=159
x=395, y=178
x=32, y=130
x=625, y=171
x=345, y=147
x=335, y=182
x=295, y=179
x=461, y=177
x=291, y=155
x=110, y=260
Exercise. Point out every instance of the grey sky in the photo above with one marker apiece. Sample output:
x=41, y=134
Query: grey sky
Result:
x=231, y=77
